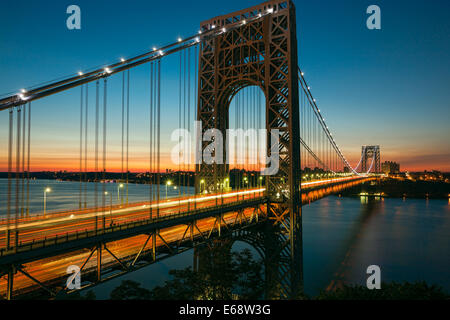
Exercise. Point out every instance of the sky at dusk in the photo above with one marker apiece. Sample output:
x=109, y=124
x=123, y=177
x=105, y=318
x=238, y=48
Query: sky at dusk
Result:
x=388, y=87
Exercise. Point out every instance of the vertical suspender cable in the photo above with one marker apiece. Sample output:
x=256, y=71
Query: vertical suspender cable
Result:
x=123, y=127
x=105, y=104
x=179, y=126
x=159, y=133
x=195, y=112
x=19, y=109
x=189, y=122
x=81, y=148
x=28, y=158
x=184, y=121
x=86, y=145
x=151, y=174
x=155, y=104
x=10, y=147
x=128, y=132
x=22, y=201
x=96, y=149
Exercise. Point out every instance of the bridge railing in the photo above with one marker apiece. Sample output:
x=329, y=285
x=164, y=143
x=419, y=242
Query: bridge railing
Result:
x=77, y=235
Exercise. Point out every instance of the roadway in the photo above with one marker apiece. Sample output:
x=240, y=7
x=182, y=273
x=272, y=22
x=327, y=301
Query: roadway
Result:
x=52, y=270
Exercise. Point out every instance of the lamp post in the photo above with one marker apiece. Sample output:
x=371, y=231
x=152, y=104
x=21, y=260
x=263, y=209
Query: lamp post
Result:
x=227, y=184
x=201, y=182
x=45, y=198
x=110, y=209
x=118, y=191
x=168, y=183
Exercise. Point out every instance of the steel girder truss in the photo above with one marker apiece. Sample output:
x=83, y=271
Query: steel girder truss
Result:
x=262, y=52
x=147, y=254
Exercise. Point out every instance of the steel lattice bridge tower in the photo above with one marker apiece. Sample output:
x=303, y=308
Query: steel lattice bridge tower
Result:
x=368, y=153
x=255, y=47
x=262, y=53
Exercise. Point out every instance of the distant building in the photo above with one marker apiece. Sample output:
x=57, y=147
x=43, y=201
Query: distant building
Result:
x=390, y=167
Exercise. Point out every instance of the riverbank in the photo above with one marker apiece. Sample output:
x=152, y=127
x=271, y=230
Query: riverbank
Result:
x=393, y=188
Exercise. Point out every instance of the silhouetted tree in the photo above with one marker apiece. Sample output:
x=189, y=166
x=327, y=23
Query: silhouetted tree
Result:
x=130, y=290
x=388, y=291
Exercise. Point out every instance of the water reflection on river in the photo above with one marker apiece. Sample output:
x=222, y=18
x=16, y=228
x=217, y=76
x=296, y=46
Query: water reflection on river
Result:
x=409, y=239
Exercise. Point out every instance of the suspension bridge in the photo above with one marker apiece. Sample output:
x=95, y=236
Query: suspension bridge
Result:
x=240, y=70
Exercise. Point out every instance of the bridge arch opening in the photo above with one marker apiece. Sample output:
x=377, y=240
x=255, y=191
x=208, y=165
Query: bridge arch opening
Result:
x=245, y=141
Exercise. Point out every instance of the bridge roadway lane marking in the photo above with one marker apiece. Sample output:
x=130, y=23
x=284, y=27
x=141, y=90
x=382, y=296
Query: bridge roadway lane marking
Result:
x=170, y=203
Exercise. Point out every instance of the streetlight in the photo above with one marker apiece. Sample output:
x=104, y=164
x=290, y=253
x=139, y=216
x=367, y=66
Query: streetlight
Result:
x=45, y=197
x=118, y=191
x=168, y=183
x=201, y=182
x=110, y=208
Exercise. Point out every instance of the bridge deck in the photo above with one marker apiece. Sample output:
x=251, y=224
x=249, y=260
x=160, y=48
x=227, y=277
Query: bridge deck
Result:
x=47, y=246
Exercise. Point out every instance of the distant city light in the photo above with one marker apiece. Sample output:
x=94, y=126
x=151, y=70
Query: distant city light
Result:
x=80, y=73
x=122, y=59
x=179, y=39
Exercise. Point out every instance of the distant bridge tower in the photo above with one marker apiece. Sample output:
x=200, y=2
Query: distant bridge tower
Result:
x=370, y=156
x=259, y=49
